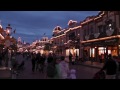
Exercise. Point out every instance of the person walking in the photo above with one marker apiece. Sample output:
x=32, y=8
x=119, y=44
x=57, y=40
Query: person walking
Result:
x=110, y=67
x=42, y=63
x=63, y=68
x=70, y=57
x=33, y=62
x=72, y=74
x=0, y=58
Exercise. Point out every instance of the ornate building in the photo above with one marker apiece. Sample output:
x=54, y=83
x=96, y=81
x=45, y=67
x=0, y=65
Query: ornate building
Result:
x=95, y=37
x=66, y=41
x=101, y=35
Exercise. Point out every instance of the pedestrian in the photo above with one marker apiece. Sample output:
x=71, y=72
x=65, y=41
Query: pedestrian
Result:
x=38, y=61
x=64, y=68
x=118, y=67
x=0, y=58
x=110, y=67
x=70, y=57
x=33, y=62
x=72, y=74
x=42, y=63
x=50, y=58
x=51, y=70
x=57, y=75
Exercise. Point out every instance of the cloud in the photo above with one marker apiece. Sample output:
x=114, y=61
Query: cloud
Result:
x=30, y=24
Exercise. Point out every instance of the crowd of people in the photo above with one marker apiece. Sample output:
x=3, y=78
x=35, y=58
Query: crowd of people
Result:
x=56, y=66
x=110, y=69
x=5, y=56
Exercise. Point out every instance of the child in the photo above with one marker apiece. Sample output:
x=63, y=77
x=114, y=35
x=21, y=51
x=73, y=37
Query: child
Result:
x=72, y=74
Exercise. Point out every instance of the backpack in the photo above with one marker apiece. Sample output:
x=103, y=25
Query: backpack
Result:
x=100, y=75
x=51, y=70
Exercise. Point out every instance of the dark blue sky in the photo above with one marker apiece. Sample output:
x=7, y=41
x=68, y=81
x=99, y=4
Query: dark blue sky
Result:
x=31, y=25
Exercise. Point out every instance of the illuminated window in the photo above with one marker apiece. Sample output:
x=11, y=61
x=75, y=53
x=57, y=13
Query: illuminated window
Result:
x=102, y=50
x=109, y=52
x=92, y=52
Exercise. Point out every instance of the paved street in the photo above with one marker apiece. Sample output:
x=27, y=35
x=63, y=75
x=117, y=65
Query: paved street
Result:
x=83, y=72
x=27, y=73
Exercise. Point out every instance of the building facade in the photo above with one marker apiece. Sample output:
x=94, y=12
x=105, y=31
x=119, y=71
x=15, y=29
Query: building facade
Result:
x=66, y=41
x=101, y=35
x=94, y=38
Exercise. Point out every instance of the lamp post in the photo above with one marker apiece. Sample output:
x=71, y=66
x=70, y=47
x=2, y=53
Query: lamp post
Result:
x=7, y=44
x=9, y=41
x=8, y=29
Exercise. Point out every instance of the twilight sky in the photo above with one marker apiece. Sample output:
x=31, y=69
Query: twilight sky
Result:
x=31, y=25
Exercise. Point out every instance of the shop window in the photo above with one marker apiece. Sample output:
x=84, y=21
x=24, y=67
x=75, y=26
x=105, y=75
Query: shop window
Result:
x=114, y=52
x=102, y=50
x=92, y=52
x=109, y=52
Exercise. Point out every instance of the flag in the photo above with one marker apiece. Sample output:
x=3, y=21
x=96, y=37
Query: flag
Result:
x=44, y=33
x=14, y=31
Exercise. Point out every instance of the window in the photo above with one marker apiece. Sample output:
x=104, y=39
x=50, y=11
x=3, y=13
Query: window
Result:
x=100, y=29
x=85, y=32
x=71, y=35
x=91, y=30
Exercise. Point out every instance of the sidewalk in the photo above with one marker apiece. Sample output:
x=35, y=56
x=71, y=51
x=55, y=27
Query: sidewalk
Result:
x=94, y=64
x=89, y=64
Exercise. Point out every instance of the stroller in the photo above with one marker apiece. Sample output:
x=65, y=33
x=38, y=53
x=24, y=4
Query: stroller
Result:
x=100, y=75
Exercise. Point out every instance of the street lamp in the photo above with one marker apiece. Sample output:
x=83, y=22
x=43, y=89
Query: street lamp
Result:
x=8, y=29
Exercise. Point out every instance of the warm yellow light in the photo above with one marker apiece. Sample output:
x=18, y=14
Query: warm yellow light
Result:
x=71, y=21
x=8, y=31
x=1, y=37
x=117, y=36
x=0, y=26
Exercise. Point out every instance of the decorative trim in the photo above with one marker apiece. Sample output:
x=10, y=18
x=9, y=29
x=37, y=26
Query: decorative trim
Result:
x=96, y=35
x=109, y=32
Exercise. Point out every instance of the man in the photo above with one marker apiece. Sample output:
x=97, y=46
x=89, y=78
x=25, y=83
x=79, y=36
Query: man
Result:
x=70, y=58
x=111, y=68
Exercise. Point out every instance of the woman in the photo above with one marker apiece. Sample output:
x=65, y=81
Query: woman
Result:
x=57, y=76
x=33, y=62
